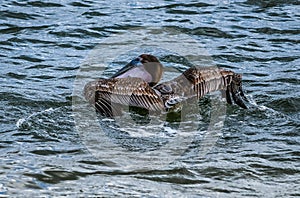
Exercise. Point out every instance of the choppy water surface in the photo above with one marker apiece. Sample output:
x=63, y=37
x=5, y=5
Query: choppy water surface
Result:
x=43, y=45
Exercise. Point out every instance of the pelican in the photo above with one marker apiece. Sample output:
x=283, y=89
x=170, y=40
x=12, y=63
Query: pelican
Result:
x=136, y=85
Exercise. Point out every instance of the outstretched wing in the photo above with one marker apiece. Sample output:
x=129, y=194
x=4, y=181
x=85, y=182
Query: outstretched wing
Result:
x=196, y=82
x=107, y=94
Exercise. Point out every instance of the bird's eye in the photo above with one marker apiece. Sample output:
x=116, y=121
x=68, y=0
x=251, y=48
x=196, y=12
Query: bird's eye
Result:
x=135, y=62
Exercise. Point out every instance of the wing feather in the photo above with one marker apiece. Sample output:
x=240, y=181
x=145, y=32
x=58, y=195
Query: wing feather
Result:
x=197, y=82
x=104, y=93
x=107, y=94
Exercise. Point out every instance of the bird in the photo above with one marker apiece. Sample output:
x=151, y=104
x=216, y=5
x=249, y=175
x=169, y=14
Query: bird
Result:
x=138, y=85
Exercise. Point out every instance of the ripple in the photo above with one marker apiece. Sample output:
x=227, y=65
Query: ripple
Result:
x=77, y=33
x=12, y=29
x=17, y=15
x=185, y=12
x=291, y=80
x=208, y=31
x=54, y=177
x=272, y=3
x=282, y=40
x=37, y=4
x=257, y=151
x=94, y=13
x=80, y=4
x=55, y=152
x=39, y=66
x=288, y=105
x=30, y=58
x=268, y=30
x=175, y=5
x=43, y=77
x=251, y=49
x=16, y=76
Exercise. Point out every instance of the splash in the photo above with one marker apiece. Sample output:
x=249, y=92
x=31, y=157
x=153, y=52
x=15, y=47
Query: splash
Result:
x=267, y=111
x=37, y=117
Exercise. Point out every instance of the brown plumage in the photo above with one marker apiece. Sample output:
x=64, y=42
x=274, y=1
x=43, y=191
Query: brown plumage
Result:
x=197, y=82
x=108, y=95
x=124, y=91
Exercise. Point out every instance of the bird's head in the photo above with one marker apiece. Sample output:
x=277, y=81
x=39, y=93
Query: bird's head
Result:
x=145, y=66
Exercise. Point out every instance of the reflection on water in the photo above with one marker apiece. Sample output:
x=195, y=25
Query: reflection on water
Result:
x=255, y=152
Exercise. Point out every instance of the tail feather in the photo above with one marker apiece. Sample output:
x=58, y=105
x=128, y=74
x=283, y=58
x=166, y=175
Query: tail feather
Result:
x=237, y=92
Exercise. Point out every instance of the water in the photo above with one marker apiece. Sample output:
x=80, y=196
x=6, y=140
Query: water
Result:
x=43, y=46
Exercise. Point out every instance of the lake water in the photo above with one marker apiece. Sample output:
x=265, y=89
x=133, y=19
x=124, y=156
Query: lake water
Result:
x=49, y=147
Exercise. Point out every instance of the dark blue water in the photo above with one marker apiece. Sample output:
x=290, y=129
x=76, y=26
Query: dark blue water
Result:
x=47, y=149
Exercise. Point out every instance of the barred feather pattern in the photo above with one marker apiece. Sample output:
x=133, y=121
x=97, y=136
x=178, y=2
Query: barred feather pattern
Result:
x=108, y=94
x=197, y=82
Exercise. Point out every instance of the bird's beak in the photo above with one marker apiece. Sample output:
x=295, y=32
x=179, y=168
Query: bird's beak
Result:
x=132, y=64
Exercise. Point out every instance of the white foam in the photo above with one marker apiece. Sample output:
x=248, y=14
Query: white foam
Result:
x=25, y=123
